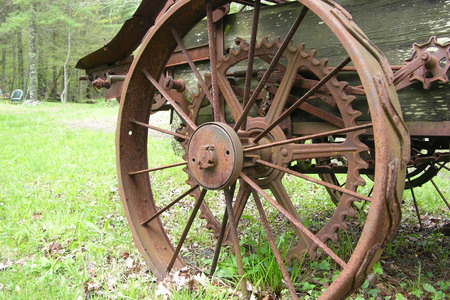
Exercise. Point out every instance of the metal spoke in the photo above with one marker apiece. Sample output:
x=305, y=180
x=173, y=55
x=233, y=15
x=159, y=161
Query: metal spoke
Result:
x=283, y=91
x=192, y=66
x=240, y=203
x=273, y=245
x=440, y=193
x=295, y=221
x=325, y=150
x=364, y=204
x=230, y=97
x=219, y=243
x=175, y=134
x=223, y=228
x=213, y=61
x=174, y=104
x=444, y=166
x=313, y=110
x=314, y=180
x=284, y=199
x=335, y=195
x=411, y=188
x=370, y=192
x=159, y=212
x=235, y=240
x=251, y=56
x=294, y=106
x=271, y=67
x=186, y=229
x=309, y=137
x=157, y=168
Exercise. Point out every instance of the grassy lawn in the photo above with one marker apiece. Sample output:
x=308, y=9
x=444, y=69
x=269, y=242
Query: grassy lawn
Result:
x=61, y=220
x=63, y=234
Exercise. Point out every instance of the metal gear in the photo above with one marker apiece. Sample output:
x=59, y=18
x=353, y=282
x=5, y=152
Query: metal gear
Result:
x=335, y=91
x=437, y=68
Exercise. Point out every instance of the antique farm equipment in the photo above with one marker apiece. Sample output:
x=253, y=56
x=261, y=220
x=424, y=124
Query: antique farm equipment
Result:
x=264, y=98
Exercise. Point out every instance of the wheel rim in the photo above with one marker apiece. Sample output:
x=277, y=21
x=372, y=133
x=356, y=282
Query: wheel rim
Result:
x=132, y=151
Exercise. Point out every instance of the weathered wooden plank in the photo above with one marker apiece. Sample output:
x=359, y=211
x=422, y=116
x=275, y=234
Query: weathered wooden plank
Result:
x=393, y=25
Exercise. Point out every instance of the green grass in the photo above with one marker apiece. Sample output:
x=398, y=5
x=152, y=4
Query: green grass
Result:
x=63, y=234
x=58, y=185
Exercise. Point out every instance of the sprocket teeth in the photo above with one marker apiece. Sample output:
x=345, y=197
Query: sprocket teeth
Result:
x=436, y=72
x=313, y=54
x=301, y=47
x=223, y=60
x=314, y=61
x=355, y=113
x=244, y=46
x=336, y=89
x=265, y=41
x=334, y=237
x=360, y=181
x=277, y=41
x=339, y=226
x=364, y=165
x=342, y=87
x=324, y=62
x=351, y=213
x=233, y=52
x=291, y=48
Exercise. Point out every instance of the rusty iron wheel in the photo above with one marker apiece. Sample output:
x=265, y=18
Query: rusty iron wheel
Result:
x=255, y=135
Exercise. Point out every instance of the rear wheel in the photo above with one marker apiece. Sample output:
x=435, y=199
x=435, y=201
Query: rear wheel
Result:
x=266, y=114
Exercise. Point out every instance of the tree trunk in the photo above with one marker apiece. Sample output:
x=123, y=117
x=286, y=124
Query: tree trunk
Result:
x=88, y=91
x=77, y=93
x=65, y=92
x=5, y=80
x=14, y=68
x=41, y=74
x=32, y=54
x=52, y=92
x=20, y=73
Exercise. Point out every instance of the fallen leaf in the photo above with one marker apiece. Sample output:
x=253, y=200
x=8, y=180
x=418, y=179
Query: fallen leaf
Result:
x=54, y=248
x=22, y=261
x=130, y=263
x=162, y=290
x=111, y=283
x=36, y=216
x=3, y=267
x=91, y=286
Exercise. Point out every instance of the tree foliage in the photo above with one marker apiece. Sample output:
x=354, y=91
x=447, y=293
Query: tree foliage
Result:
x=60, y=32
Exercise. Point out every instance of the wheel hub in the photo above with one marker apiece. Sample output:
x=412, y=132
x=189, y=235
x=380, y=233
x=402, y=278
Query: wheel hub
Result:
x=262, y=174
x=215, y=155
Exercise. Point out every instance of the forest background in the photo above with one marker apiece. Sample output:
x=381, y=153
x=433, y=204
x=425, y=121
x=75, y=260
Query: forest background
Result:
x=41, y=41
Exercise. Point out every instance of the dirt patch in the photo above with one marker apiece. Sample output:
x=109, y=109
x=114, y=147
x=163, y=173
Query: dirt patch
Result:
x=103, y=124
x=109, y=124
